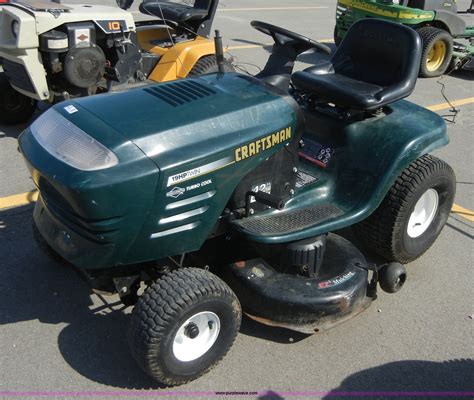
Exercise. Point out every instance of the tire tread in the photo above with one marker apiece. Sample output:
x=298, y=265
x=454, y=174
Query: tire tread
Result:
x=381, y=229
x=163, y=301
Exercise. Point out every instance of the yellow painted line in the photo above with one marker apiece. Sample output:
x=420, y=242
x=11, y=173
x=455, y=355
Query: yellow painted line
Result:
x=18, y=199
x=463, y=212
x=258, y=46
x=247, y=46
x=455, y=103
x=271, y=8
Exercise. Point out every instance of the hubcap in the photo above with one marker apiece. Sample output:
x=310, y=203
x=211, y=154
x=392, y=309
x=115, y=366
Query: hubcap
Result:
x=423, y=213
x=436, y=56
x=196, y=336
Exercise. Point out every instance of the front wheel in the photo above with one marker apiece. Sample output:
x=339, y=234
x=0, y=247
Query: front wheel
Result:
x=413, y=213
x=183, y=325
x=437, y=51
x=15, y=107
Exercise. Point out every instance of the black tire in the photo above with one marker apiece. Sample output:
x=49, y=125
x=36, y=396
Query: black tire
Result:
x=385, y=232
x=164, y=307
x=431, y=37
x=15, y=107
x=208, y=65
x=392, y=277
x=337, y=38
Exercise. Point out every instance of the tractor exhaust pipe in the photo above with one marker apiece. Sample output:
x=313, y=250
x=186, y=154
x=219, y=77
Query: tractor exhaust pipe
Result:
x=219, y=52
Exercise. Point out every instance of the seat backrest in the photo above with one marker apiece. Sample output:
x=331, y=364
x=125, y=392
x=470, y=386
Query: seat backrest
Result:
x=380, y=52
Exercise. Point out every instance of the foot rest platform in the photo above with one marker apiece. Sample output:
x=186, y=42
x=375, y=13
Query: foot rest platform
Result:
x=287, y=222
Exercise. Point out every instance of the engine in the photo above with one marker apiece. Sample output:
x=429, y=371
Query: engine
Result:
x=83, y=58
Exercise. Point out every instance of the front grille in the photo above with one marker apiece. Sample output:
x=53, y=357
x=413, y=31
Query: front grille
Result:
x=181, y=92
x=17, y=75
x=101, y=231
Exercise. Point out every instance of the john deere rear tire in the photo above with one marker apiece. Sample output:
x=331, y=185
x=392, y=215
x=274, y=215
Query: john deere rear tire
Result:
x=183, y=325
x=413, y=213
x=208, y=65
x=15, y=107
x=437, y=51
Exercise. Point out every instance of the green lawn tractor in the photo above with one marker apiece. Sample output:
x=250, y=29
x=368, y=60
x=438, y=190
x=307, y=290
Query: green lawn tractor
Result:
x=438, y=23
x=197, y=198
x=52, y=52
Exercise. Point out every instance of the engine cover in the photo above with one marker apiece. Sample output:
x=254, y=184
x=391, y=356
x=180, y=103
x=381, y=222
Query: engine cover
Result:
x=84, y=67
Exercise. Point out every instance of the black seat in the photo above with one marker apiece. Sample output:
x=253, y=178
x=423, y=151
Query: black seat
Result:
x=376, y=64
x=179, y=13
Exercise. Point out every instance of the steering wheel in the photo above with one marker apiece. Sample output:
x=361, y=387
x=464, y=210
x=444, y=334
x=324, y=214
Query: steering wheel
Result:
x=283, y=36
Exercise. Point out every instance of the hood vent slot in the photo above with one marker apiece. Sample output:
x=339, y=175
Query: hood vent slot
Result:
x=181, y=92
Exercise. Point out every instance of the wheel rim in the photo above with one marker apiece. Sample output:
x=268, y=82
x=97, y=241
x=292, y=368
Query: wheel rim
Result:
x=196, y=336
x=436, y=56
x=423, y=213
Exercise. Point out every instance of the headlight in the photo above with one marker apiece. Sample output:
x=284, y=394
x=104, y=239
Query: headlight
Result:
x=70, y=144
x=15, y=28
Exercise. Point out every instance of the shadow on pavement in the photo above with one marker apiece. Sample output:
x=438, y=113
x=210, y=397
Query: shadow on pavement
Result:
x=427, y=379
x=463, y=74
x=94, y=342
x=35, y=287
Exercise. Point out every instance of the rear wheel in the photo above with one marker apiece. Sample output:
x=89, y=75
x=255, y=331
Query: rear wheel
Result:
x=437, y=51
x=15, y=107
x=413, y=212
x=208, y=65
x=183, y=325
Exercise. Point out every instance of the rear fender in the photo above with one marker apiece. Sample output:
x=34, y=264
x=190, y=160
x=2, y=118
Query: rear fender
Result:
x=180, y=59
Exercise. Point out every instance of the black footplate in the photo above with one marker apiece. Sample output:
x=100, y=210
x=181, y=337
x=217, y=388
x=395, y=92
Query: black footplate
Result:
x=287, y=222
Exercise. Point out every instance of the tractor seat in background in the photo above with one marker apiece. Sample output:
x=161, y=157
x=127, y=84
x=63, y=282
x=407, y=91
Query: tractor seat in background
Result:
x=377, y=63
x=179, y=13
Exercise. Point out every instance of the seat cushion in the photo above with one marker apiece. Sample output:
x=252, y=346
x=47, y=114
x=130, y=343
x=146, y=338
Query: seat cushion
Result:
x=339, y=89
x=178, y=13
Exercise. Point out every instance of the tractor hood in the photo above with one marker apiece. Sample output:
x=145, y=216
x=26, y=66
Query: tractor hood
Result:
x=119, y=173
x=179, y=122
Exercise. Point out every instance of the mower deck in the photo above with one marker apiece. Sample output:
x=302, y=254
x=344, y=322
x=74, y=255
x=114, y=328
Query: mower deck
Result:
x=303, y=304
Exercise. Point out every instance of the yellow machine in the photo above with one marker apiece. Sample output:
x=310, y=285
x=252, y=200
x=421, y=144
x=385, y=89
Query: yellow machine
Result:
x=53, y=52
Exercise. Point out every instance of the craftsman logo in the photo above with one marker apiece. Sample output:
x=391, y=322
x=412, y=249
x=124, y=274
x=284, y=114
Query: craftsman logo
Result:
x=198, y=171
x=254, y=148
x=336, y=281
x=175, y=192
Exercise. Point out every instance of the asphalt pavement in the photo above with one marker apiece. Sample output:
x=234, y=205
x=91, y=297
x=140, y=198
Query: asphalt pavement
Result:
x=57, y=339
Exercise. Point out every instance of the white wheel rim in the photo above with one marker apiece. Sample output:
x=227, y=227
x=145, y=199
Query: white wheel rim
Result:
x=423, y=213
x=188, y=348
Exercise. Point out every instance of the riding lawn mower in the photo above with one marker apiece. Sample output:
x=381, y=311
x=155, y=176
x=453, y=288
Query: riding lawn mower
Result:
x=438, y=22
x=52, y=52
x=228, y=192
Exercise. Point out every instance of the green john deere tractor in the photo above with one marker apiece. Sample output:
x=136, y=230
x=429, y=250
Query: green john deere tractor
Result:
x=438, y=23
